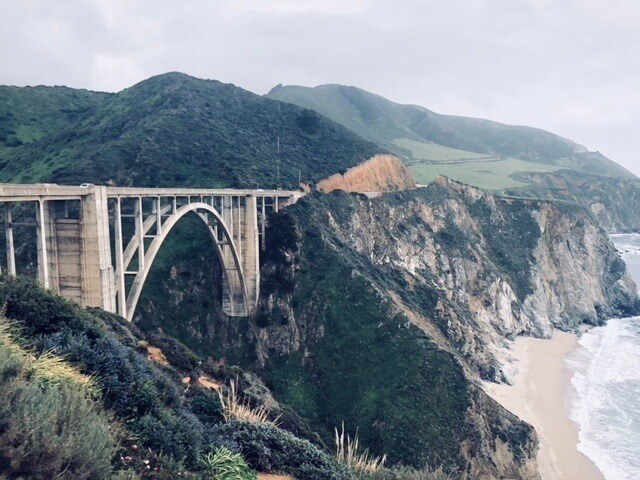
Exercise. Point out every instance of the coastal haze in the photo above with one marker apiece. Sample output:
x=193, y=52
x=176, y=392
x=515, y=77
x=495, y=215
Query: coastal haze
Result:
x=331, y=240
x=568, y=67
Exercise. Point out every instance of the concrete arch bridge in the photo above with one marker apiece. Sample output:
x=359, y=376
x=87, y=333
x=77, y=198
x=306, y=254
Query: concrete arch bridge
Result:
x=96, y=244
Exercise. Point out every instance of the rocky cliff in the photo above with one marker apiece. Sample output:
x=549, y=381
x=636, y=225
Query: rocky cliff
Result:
x=384, y=313
x=381, y=173
x=615, y=202
x=500, y=267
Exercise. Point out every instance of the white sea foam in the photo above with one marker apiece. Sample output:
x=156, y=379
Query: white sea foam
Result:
x=605, y=401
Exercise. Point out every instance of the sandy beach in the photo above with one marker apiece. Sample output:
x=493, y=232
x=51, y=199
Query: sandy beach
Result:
x=538, y=397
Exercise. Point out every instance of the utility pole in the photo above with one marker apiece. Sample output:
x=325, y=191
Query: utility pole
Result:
x=278, y=162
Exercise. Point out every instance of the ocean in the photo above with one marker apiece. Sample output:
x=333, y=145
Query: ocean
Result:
x=605, y=379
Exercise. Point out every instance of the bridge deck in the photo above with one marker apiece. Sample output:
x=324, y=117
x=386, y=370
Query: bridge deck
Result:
x=49, y=191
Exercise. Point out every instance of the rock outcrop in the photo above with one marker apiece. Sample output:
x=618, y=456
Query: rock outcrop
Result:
x=381, y=173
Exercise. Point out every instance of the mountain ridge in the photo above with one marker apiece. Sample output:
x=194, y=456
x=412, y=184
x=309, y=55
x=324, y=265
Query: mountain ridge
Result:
x=197, y=132
x=385, y=122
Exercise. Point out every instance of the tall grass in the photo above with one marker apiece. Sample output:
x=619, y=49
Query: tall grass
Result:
x=347, y=453
x=50, y=427
x=46, y=368
x=51, y=369
x=235, y=407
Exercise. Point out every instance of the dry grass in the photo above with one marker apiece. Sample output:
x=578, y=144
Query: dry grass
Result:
x=347, y=453
x=46, y=367
x=7, y=340
x=237, y=408
x=49, y=368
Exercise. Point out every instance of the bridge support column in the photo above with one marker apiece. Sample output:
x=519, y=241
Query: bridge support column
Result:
x=120, y=293
x=11, y=252
x=97, y=272
x=47, y=245
x=251, y=254
x=232, y=300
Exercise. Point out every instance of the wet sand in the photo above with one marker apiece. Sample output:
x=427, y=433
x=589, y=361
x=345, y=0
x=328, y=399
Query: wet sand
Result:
x=538, y=397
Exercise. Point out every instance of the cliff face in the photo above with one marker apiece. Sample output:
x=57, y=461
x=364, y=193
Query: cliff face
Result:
x=467, y=269
x=615, y=202
x=381, y=173
x=383, y=313
x=501, y=267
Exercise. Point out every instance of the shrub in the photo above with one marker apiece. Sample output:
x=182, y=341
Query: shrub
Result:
x=267, y=448
x=133, y=387
x=223, y=464
x=125, y=475
x=49, y=425
x=401, y=473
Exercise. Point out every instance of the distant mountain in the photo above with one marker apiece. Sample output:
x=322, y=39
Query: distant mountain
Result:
x=451, y=143
x=171, y=129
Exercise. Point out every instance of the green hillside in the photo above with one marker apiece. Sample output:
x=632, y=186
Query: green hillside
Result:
x=28, y=114
x=114, y=408
x=446, y=144
x=171, y=129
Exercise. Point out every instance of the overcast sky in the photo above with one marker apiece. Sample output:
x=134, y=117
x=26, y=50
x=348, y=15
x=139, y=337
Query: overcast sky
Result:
x=568, y=66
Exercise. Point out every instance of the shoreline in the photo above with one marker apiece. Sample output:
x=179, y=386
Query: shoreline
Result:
x=539, y=396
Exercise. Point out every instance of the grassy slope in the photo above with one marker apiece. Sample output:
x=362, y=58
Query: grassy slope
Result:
x=490, y=174
x=29, y=113
x=371, y=369
x=424, y=137
x=177, y=130
x=386, y=121
x=436, y=153
x=172, y=424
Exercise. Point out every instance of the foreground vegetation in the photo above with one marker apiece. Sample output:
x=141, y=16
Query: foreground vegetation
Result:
x=108, y=412
x=51, y=425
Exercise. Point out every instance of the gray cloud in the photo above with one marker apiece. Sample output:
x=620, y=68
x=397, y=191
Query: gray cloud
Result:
x=569, y=66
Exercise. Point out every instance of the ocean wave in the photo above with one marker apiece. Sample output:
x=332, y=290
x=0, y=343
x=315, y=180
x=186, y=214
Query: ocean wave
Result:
x=605, y=379
x=606, y=389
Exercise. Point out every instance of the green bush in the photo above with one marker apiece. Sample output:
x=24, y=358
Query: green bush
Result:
x=269, y=449
x=135, y=389
x=50, y=429
x=164, y=419
x=401, y=473
x=223, y=464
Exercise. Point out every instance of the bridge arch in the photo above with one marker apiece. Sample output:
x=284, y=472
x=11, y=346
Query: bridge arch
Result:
x=85, y=254
x=233, y=276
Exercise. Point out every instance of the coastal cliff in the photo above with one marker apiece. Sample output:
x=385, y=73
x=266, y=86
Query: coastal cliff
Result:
x=385, y=313
x=494, y=267
x=615, y=202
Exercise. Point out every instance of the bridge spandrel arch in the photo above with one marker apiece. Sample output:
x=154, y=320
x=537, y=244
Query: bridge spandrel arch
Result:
x=237, y=299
